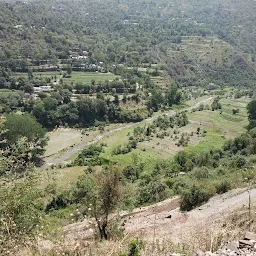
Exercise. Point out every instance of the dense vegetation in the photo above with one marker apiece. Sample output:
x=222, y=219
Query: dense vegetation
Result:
x=83, y=64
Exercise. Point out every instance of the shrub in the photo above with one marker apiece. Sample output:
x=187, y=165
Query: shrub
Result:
x=200, y=173
x=193, y=197
x=223, y=186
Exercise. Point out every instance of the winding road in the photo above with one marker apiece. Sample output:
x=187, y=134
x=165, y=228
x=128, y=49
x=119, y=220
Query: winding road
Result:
x=58, y=159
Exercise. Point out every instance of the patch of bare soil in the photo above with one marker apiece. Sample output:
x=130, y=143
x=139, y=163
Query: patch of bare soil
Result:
x=165, y=221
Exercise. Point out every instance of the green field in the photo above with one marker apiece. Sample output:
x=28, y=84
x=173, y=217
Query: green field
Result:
x=87, y=77
x=76, y=77
x=61, y=177
x=6, y=92
x=220, y=125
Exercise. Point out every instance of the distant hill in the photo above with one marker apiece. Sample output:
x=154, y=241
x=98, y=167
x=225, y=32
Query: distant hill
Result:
x=135, y=33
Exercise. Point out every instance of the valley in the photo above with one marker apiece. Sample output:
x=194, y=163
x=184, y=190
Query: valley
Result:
x=127, y=128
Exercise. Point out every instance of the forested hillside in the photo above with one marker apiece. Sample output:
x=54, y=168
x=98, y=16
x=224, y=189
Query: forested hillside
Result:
x=127, y=32
x=112, y=105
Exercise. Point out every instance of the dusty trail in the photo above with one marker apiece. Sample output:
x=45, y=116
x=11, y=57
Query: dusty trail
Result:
x=146, y=221
x=164, y=221
x=70, y=152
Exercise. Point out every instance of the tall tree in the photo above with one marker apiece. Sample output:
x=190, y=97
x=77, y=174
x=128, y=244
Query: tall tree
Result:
x=251, y=109
x=104, y=195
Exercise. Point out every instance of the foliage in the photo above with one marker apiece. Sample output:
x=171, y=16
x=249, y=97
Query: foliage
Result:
x=90, y=155
x=251, y=108
x=22, y=143
x=19, y=126
x=193, y=197
x=223, y=187
x=19, y=210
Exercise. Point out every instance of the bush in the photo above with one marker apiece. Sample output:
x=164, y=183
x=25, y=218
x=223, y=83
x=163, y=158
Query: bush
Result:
x=223, y=186
x=134, y=248
x=19, y=210
x=200, y=173
x=193, y=197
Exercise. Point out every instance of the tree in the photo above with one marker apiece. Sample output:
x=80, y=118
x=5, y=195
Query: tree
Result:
x=26, y=130
x=173, y=96
x=104, y=194
x=251, y=109
x=69, y=69
x=155, y=100
x=193, y=197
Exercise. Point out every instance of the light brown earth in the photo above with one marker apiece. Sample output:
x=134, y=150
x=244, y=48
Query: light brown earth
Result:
x=151, y=223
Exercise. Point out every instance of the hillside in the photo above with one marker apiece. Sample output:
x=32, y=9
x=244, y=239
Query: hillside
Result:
x=127, y=127
x=132, y=33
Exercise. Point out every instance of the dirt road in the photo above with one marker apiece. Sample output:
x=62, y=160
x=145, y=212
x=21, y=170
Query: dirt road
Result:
x=53, y=160
x=165, y=221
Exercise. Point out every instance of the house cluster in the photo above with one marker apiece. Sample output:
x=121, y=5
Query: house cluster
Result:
x=78, y=56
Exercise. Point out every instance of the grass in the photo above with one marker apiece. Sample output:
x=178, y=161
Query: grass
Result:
x=220, y=125
x=6, y=92
x=76, y=77
x=87, y=77
x=121, y=138
x=61, y=139
x=213, y=139
x=62, y=178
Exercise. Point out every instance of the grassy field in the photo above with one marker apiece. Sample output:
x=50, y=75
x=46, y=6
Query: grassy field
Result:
x=220, y=125
x=60, y=177
x=5, y=92
x=87, y=77
x=76, y=77
x=61, y=139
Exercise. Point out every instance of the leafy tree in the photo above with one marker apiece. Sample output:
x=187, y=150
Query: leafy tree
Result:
x=26, y=130
x=155, y=100
x=103, y=196
x=69, y=69
x=251, y=109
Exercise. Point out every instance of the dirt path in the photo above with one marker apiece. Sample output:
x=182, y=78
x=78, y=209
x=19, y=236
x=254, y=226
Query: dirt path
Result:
x=147, y=221
x=70, y=152
x=164, y=221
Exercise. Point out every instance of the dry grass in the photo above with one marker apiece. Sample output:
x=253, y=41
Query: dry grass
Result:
x=61, y=177
x=61, y=139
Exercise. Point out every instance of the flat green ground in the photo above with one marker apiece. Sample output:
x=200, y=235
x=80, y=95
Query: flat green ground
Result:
x=76, y=77
x=121, y=138
x=6, y=92
x=220, y=125
x=87, y=77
